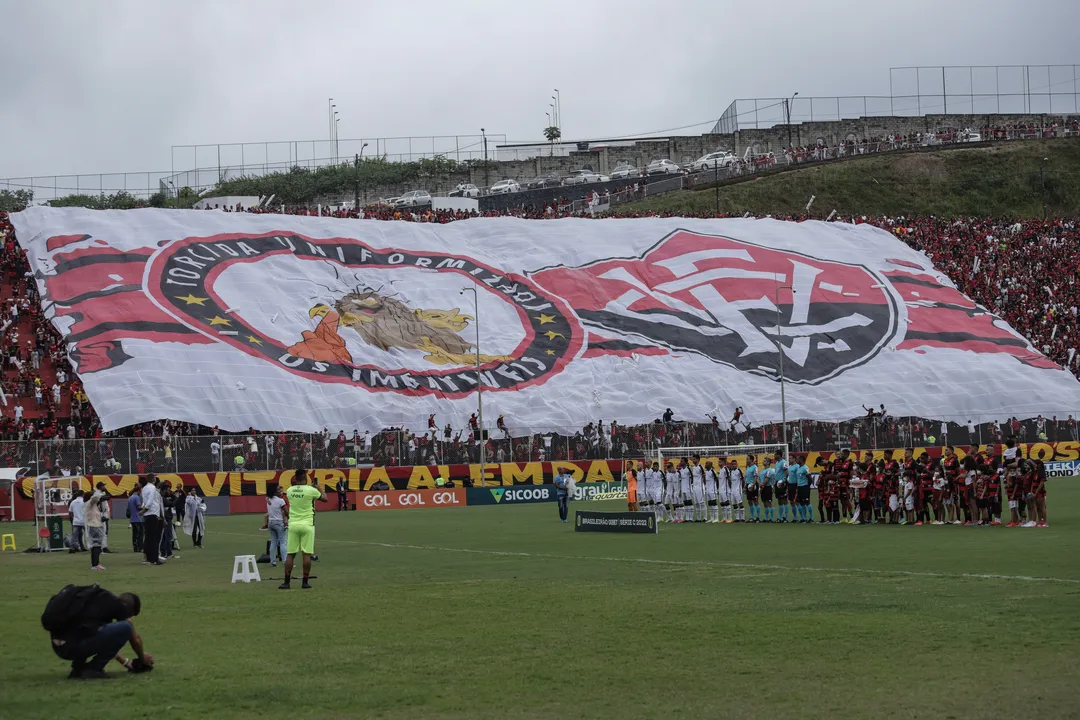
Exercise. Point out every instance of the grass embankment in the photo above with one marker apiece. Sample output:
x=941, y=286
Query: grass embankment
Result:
x=1002, y=180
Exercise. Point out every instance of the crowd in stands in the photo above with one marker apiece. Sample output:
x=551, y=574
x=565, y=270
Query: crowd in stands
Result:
x=1023, y=270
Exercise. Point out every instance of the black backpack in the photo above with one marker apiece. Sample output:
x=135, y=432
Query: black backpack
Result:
x=64, y=612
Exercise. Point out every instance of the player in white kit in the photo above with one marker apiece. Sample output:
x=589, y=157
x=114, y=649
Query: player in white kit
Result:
x=642, y=486
x=711, y=493
x=656, y=491
x=685, y=492
x=735, y=491
x=697, y=489
x=671, y=493
x=723, y=492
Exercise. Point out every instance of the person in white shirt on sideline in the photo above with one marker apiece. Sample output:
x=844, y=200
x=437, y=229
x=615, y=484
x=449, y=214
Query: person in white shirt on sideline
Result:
x=106, y=515
x=77, y=512
x=95, y=526
x=152, y=514
x=277, y=522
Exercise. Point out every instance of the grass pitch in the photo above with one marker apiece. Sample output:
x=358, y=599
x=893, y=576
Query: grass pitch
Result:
x=503, y=612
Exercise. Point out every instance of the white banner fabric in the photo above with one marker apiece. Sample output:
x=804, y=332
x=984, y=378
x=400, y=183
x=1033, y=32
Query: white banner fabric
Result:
x=299, y=323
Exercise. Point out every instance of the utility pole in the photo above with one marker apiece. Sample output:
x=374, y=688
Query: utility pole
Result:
x=944, y=92
x=787, y=109
x=356, y=196
x=780, y=347
x=716, y=180
x=487, y=175
x=479, y=382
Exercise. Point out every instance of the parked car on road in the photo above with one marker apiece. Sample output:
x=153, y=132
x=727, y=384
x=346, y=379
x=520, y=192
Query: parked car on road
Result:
x=544, y=181
x=504, y=186
x=623, y=171
x=465, y=190
x=413, y=198
x=712, y=161
x=581, y=177
x=662, y=167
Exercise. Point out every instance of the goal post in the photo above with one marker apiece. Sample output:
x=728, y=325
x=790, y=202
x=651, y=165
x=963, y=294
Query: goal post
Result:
x=52, y=497
x=738, y=453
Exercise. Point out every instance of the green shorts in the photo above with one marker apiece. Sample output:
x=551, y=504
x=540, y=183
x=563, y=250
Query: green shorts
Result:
x=301, y=539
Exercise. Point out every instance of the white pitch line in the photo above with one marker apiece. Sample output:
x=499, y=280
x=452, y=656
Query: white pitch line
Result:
x=708, y=563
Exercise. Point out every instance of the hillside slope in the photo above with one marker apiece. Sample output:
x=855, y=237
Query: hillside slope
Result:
x=999, y=180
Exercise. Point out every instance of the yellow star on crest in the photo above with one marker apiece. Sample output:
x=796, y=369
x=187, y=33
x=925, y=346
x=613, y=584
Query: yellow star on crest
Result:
x=218, y=320
x=253, y=339
x=545, y=319
x=192, y=300
x=550, y=352
x=551, y=335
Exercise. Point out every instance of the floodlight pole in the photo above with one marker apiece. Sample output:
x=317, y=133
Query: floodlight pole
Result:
x=479, y=383
x=780, y=347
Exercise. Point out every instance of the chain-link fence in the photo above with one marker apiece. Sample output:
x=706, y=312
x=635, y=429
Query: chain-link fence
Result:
x=277, y=451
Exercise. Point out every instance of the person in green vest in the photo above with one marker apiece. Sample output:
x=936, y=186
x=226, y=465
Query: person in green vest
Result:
x=301, y=533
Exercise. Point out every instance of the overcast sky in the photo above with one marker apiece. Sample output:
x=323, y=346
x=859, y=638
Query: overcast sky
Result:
x=108, y=86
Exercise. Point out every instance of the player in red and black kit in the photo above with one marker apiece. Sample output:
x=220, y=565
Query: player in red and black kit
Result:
x=894, y=498
x=827, y=492
x=951, y=466
x=1038, y=491
x=877, y=474
x=993, y=494
x=825, y=472
x=843, y=484
x=924, y=477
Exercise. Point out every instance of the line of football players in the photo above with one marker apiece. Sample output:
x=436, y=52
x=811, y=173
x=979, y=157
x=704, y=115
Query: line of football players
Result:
x=910, y=491
x=694, y=491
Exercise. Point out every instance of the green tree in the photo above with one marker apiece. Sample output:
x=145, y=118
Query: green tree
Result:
x=15, y=200
x=553, y=134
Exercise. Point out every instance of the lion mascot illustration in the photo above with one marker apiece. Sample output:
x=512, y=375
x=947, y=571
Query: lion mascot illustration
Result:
x=386, y=323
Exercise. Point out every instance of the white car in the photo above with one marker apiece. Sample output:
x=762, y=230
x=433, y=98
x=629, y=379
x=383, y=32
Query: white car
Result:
x=662, y=167
x=413, y=198
x=504, y=186
x=712, y=161
x=970, y=136
x=465, y=190
x=581, y=177
x=624, y=171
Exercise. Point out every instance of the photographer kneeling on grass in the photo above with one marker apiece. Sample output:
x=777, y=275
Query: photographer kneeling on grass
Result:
x=89, y=626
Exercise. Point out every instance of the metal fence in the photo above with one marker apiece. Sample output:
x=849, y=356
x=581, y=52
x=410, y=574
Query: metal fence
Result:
x=276, y=451
x=918, y=91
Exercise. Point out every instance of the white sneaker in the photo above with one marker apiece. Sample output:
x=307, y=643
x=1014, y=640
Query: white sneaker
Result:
x=1029, y=523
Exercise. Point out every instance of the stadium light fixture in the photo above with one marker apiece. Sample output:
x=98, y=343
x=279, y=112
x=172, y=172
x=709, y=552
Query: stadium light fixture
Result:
x=780, y=347
x=479, y=383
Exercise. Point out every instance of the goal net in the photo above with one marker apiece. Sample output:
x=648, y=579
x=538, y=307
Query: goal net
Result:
x=52, y=497
x=741, y=454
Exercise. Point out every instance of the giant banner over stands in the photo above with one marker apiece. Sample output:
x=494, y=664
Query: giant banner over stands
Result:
x=597, y=479
x=253, y=316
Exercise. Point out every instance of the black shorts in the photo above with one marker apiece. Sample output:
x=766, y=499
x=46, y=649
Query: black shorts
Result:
x=781, y=493
x=766, y=493
x=802, y=494
x=982, y=503
x=792, y=492
x=752, y=492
